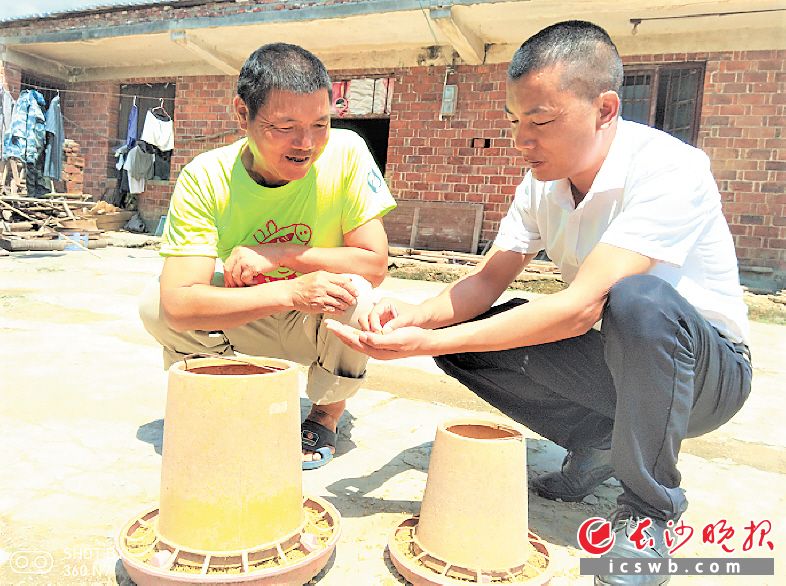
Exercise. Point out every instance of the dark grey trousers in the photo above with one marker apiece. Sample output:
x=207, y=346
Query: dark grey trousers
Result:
x=656, y=373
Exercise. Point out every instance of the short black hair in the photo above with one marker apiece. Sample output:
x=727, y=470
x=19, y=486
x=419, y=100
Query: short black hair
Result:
x=592, y=63
x=280, y=66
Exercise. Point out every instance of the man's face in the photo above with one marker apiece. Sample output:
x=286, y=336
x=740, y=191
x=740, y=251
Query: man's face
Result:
x=556, y=131
x=287, y=135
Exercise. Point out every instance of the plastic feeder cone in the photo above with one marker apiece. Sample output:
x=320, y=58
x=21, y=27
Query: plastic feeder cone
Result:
x=231, y=477
x=474, y=511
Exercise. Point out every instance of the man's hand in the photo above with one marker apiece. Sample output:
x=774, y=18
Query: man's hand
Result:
x=388, y=315
x=247, y=262
x=323, y=292
x=400, y=343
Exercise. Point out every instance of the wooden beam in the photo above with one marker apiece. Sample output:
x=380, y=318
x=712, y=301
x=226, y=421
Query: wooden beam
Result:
x=173, y=69
x=35, y=63
x=470, y=48
x=204, y=51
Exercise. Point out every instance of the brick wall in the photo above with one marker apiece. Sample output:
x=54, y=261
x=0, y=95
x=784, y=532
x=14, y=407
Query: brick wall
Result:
x=90, y=119
x=742, y=125
x=435, y=160
x=203, y=121
x=743, y=131
x=11, y=78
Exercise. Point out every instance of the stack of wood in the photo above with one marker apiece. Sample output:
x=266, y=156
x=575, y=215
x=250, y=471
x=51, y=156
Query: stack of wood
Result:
x=73, y=167
x=52, y=223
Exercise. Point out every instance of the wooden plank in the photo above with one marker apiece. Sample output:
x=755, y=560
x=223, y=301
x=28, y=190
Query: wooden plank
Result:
x=413, y=233
x=435, y=225
x=15, y=210
x=47, y=201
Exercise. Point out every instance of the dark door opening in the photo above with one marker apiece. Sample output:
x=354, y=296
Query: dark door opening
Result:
x=374, y=131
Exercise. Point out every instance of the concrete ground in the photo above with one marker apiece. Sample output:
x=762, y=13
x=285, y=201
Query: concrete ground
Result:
x=83, y=394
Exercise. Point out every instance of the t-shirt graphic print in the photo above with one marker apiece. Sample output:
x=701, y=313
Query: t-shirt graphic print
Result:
x=298, y=233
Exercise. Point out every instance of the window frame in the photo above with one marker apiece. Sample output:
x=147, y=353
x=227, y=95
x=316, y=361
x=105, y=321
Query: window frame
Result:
x=655, y=71
x=127, y=93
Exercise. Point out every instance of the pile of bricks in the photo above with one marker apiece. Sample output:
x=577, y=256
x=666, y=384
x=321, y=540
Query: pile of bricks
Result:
x=74, y=167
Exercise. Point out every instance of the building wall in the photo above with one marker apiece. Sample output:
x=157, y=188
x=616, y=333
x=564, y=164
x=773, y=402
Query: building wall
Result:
x=10, y=77
x=203, y=120
x=90, y=119
x=435, y=160
x=742, y=130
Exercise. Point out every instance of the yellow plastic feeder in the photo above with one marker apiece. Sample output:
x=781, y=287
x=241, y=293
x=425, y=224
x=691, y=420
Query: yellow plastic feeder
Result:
x=232, y=507
x=473, y=525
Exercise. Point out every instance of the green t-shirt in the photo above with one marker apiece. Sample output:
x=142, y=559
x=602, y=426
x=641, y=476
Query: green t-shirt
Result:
x=216, y=205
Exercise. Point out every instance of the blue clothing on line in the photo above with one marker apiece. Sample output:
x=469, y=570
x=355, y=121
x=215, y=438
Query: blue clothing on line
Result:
x=25, y=137
x=53, y=161
x=131, y=134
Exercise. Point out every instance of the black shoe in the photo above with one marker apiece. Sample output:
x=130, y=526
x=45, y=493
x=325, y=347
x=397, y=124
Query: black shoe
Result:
x=624, y=521
x=583, y=470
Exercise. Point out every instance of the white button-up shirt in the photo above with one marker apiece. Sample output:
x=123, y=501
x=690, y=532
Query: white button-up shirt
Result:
x=653, y=195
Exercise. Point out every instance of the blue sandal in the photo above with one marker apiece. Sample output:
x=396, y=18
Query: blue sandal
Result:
x=315, y=437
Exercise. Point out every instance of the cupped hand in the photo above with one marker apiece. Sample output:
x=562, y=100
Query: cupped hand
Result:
x=399, y=343
x=323, y=292
x=388, y=315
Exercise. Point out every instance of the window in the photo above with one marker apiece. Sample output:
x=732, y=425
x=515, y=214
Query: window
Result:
x=148, y=96
x=45, y=87
x=363, y=105
x=667, y=97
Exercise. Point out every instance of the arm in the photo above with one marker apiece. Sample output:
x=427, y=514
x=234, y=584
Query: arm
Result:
x=468, y=297
x=473, y=293
x=190, y=302
x=566, y=314
x=562, y=315
x=365, y=253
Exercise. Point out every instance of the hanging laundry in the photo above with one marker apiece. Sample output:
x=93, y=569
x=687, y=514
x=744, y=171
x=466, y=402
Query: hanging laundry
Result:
x=157, y=131
x=121, y=188
x=133, y=117
x=361, y=96
x=6, y=110
x=161, y=159
x=139, y=162
x=25, y=136
x=140, y=168
x=37, y=185
x=340, y=105
x=162, y=165
x=53, y=162
x=383, y=95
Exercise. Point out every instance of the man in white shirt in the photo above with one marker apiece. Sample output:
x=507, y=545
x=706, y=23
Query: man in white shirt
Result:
x=632, y=217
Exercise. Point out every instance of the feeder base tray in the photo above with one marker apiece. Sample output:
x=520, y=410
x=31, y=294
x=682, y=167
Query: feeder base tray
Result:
x=150, y=560
x=424, y=569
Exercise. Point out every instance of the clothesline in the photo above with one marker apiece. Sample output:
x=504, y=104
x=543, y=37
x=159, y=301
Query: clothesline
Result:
x=121, y=95
x=187, y=138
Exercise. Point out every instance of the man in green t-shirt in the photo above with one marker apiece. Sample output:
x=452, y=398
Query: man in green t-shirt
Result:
x=293, y=210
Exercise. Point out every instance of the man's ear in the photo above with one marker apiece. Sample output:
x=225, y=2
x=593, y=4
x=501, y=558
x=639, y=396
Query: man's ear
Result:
x=609, y=108
x=241, y=112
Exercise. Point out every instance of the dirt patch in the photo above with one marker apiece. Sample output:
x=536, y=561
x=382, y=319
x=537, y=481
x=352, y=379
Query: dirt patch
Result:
x=767, y=308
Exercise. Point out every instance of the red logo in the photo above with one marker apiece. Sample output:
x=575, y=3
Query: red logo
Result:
x=594, y=536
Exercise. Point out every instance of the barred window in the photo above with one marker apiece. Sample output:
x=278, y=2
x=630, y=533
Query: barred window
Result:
x=667, y=97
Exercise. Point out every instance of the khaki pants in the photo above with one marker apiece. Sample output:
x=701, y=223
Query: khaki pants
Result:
x=336, y=372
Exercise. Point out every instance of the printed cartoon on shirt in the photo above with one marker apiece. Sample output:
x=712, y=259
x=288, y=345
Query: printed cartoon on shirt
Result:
x=271, y=233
